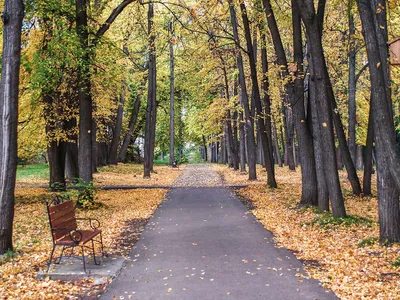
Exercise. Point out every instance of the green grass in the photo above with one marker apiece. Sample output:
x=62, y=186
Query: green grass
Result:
x=328, y=221
x=368, y=242
x=34, y=171
x=396, y=263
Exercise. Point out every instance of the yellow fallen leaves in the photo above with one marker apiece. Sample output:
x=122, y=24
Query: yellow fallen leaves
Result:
x=122, y=216
x=132, y=174
x=331, y=256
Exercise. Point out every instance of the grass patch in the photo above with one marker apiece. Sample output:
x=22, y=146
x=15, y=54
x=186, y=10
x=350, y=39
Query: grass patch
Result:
x=328, y=221
x=396, y=263
x=33, y=171
x=6, y=257
x=368, y=242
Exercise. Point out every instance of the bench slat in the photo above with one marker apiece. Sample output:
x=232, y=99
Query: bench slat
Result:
x=62, y=219
x=62, y=206
x=59, y=213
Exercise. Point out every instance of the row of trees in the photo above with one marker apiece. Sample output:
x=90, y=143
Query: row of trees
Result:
x=254, y=80
x=311, y=115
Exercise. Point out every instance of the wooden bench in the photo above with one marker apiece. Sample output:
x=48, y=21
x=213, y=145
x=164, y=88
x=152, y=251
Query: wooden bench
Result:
x=65, y=232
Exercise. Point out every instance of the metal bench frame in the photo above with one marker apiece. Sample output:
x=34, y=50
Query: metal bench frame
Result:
x=65, y=233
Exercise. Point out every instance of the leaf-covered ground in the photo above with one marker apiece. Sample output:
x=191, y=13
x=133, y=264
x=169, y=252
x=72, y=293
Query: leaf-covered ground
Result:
x=132, y=174
x=342, y=253
x=122, y=174
x=123, y=215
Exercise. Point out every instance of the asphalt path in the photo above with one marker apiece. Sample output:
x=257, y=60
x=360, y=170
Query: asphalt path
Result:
x=202, y=243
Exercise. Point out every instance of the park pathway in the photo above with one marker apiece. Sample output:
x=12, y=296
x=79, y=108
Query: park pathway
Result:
x=203, y=244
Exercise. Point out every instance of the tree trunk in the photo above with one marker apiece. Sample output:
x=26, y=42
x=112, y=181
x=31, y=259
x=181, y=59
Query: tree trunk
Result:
x=205, y=148
x=323, y=194
x=148, y=144
x=242, y=142
x=309, y=194
x=235, y=141
x=270, y=167
x=113, y=159
x=289, y=89
x=352, y=86
x=94, y=146
x=172, y=99
x=12, y=16
x=368, y=162
x=387, y=156
x=324, y=112
x=132, y=121
x=249, y=128
x=266, y=98
x=84, y=94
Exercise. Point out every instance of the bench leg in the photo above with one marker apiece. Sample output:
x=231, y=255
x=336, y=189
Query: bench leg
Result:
x=61, y=256
x=83, y=259
x=51, y=258
x=102, y=248
x=94, y=254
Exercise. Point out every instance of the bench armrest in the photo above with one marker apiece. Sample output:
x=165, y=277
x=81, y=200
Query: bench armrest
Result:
x=94, y=223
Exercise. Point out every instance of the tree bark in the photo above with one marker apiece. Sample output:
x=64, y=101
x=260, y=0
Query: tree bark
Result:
x=172, y=99
x=150, y=122
x=84, y=94
x=324, y=112
x=309, y=194
x=289, y=89
x=352, y=87
x=12, y=16
x=387, y=156
x=249, y=128
x=368, y=162
x=270, y=167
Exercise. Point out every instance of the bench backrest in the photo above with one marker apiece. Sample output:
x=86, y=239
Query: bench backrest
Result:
x=62, y=219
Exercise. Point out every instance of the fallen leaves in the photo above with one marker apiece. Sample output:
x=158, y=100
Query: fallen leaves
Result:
x=122, y=215
x=331, y=254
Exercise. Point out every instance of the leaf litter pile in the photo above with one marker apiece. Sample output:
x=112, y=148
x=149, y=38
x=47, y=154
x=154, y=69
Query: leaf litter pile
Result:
x=343, y=254
x=122, y=215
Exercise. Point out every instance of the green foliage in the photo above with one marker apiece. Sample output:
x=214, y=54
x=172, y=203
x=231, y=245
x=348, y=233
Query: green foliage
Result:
x=368, y=242
x=328, y=221
x=9, y=255
x=85, y=194
x=396, y=263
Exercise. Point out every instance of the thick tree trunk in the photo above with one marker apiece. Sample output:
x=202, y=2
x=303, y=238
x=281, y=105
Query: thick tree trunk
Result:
x=309, y=194
x=113, y=159
x=12, y=16
x=323, y=194
x=150, y=115
x=249, y=128
x=324, y=112
x=387, y=156
x=171, y=99
x=229, y=140
x=270, y=167
x=368, y=161
x=84, y=94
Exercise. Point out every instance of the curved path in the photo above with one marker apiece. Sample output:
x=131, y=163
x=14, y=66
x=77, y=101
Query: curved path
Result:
x=203, y=244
